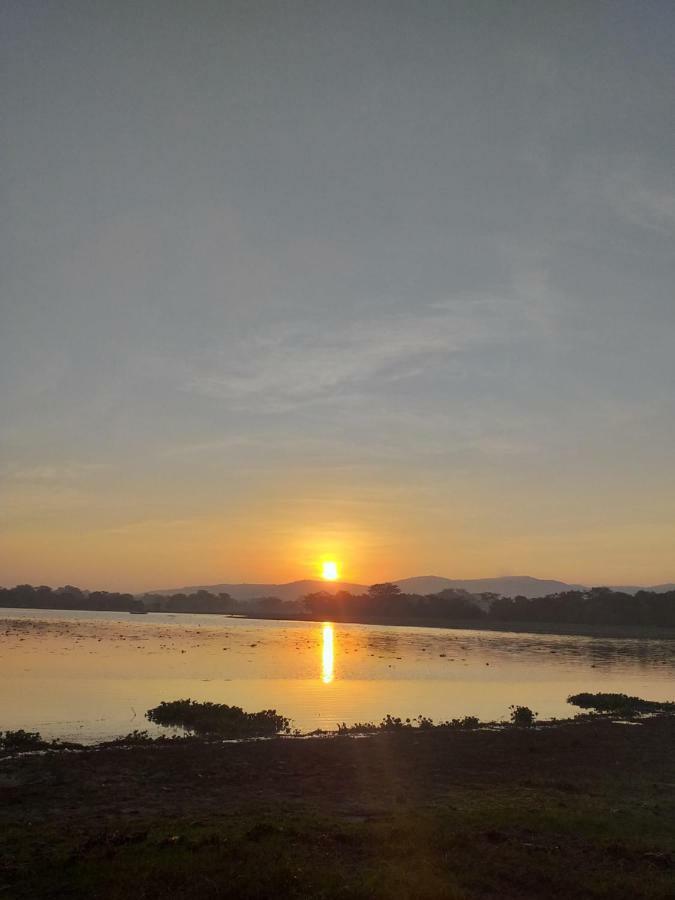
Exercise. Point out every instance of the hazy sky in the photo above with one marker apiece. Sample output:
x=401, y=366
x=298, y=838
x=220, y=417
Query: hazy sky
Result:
x=386, y=282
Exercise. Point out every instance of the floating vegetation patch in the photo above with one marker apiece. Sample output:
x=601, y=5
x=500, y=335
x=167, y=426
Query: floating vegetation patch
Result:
x=218, y=719
x=620, y=704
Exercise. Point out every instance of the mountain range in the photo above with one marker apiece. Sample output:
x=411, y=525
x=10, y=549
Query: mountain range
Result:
x=507, y=586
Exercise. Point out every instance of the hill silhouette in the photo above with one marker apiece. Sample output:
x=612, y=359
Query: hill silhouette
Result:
x=505, y=586
x=293, y=590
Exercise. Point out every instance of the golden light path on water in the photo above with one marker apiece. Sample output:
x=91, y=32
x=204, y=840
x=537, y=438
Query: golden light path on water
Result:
x=328, y=654
x=88, y=676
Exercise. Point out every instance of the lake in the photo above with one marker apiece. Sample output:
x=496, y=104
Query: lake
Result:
x=90, y=676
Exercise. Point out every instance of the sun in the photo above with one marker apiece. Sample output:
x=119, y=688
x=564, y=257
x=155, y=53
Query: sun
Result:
x=329, y=570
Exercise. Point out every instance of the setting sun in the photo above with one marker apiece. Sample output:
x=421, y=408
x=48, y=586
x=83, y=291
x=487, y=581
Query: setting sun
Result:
x=329, y=571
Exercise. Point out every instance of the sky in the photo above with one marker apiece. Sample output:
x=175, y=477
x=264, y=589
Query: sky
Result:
x=389, y=283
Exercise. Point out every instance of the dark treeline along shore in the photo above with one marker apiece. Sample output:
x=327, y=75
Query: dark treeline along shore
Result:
x=381, y=603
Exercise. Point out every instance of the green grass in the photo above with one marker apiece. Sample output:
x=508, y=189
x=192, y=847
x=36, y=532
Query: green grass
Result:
x=536, y=841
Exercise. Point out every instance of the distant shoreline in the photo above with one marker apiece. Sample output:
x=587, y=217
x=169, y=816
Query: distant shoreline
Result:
x=649, y=632
x=644, y=632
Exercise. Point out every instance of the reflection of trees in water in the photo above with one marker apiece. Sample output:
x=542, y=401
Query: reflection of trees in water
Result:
x=554, y=650
x=602, y=652
x=643, y=654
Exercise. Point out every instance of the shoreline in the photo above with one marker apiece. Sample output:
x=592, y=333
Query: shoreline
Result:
x=637, y=632
x=646, y=632
x=142, y=740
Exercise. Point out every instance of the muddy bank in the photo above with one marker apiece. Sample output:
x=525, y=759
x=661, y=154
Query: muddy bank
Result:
x=200, y=776
x=583, y=809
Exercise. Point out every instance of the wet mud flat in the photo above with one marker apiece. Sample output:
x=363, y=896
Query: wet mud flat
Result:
x=568, y=810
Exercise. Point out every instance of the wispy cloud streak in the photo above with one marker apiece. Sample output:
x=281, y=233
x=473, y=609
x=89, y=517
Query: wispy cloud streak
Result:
x=296, y=365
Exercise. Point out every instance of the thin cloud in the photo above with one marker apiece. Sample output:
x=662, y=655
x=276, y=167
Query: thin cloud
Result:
x=641, y=202
x=152, y=525
x=295, y=367
x=51, y=473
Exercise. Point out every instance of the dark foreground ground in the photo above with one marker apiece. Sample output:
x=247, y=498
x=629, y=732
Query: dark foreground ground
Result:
x=577, y=810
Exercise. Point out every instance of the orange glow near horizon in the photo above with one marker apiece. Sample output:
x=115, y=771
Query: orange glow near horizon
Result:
x=104, y=553
x=327, y=654
x=329, y=570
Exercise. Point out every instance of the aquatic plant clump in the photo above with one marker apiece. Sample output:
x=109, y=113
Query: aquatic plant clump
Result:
x=620, y=704
x=395, y=723
x=21, y=741
x=218, y=719
x=138, y=738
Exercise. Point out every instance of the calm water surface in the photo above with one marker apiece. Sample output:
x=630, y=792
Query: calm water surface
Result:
x=89, y=676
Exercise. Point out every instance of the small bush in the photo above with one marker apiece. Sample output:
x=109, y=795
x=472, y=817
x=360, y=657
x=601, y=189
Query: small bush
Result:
x=218, y=719
x=138, y=738
x=522, y=716
x=389, y=723
x=20, y=741
x=395, y=723
x=466, y=722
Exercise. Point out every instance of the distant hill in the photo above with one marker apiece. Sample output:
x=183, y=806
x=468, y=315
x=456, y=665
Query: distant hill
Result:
x=291, y=591
x=506, y=586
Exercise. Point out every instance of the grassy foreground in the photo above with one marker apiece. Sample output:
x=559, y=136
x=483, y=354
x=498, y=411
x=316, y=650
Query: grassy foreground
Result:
x=584, y=809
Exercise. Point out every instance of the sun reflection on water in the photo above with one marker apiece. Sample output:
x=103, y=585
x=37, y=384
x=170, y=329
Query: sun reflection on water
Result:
x=327, y=654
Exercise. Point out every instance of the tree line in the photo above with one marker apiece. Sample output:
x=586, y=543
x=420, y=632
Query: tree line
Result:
x=67, y=597
x=382, y=602
x=27, y=596
x=596, y=606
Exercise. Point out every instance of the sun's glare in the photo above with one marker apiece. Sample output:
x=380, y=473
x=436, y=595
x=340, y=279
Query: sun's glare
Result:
x=329, y=571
